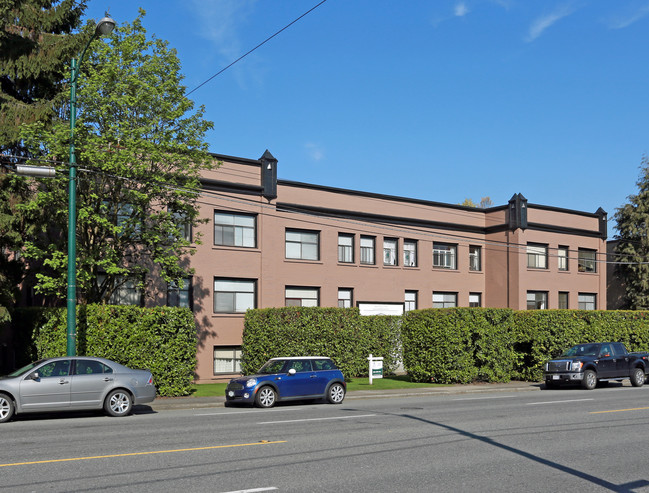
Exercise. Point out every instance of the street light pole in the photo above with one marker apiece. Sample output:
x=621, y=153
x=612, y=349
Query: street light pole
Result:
x=104, y=26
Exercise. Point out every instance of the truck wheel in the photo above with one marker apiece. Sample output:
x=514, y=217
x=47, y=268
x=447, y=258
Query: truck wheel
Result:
x=637, y=377
x=590, y=380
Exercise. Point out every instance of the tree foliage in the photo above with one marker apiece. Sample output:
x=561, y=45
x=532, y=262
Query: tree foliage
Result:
x=35, y=52
x=140, y=148
x=633, y=245
x=485, y=203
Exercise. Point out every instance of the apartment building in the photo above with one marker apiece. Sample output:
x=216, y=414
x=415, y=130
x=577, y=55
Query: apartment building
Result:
x=274, y=243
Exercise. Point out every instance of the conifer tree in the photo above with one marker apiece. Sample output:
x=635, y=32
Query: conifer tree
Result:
x=633, y=243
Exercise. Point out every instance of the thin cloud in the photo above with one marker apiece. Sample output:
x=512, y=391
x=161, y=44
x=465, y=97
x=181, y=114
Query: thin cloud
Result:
x=539, y=26
x=622, y=22
x=315, y=151
x=461, y=9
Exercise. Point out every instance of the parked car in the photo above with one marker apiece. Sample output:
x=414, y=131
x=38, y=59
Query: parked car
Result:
x=591, y=363
x=72, y=384
x=283, y=379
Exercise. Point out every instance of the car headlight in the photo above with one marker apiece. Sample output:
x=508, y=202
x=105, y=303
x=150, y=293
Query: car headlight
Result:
x=576, y=365
x=251, y=382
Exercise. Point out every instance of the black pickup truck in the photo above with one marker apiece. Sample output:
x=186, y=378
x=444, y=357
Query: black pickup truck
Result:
x=596, y=362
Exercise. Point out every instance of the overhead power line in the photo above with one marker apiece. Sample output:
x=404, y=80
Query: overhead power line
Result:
x=259, y=45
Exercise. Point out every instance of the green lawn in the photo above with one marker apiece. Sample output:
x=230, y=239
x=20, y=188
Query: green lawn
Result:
x=392, y=382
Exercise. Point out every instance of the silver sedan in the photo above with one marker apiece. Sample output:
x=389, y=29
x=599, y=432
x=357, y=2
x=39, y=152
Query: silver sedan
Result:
x=73, y=384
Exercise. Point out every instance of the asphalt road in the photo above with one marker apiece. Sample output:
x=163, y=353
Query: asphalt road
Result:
x=501, y=440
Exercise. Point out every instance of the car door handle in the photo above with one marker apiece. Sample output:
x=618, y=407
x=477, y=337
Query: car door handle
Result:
x=313, y=376
x=106, y=379
x=63, y=381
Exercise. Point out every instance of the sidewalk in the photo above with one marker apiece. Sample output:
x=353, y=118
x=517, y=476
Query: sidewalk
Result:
x=169, y=403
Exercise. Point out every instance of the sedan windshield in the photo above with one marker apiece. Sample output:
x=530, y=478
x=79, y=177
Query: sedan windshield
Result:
x=582, y=350
x=25, y=369
x=272, y=366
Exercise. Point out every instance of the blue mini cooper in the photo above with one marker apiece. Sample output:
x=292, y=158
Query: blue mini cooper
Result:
x=283, y=379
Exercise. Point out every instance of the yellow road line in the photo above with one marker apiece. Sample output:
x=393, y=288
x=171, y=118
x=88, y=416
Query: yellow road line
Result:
x=263, y=442
x=619, y=410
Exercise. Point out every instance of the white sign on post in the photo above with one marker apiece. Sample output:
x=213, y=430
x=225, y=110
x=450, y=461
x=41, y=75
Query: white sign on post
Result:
x=376, y=367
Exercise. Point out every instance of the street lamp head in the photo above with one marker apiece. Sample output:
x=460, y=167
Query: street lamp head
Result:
x=105, y=26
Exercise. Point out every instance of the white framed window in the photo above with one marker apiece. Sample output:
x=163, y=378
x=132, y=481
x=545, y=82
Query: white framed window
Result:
x=537, y=300
x=410, y=253
x=410, y=300
x=587, y=301
x=345, y=297
x=475, y=258
x=390, y=251
x=367, y=250
x=444, y=300
x=563, y=300
x=233, y=229
x=297, y=296
x=562, y=258
x=587, y=260
x=181, y=297
x=345, y=248
x=234, y=295
x=444, y=256
x=475, y=300
x=537, y=256
x=227, y=359
x=303, y=245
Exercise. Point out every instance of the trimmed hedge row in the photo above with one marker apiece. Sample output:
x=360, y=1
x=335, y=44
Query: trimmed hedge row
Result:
x=161, y=339
x=339, y=333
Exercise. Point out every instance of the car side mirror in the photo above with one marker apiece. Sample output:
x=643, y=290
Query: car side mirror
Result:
x=34, y=375
x=292, y=371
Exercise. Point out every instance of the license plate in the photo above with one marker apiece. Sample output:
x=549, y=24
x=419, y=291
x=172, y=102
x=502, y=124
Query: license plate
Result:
x=555, y=377
x=230, y=394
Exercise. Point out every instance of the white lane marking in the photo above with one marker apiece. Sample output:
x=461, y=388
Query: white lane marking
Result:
x=315, y=419
x=557, y=402
x=250, y=412
x=481, y=398
x=253, y=490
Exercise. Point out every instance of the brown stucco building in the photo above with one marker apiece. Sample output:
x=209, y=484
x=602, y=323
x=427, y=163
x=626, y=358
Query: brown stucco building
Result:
x=272, y=243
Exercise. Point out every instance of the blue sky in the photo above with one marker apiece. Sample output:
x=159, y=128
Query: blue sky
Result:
x=437, y=100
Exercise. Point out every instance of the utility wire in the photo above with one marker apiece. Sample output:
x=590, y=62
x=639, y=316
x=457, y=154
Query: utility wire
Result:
x=259, y=45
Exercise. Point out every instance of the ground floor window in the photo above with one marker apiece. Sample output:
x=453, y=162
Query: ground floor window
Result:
x=587, y=301
x=410, y=301
x=444, y=300
x=563, y=300
x=475, y=300
x=344, y=298
x=537, y=300
x=296, y=296
x=227, y=359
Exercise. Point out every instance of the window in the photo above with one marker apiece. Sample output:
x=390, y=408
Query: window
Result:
x=90, y=367
x=126, y=291
x=563, y=300
x=345, y=248
x=444, y=300
x=234, y=295
x=59, y=368
x=181, y=297
x=562, y=256
x=537, y=300
x=475, y=258
x=410, y=253
x=537, y=256
x=389, y=251
x=587, y=301
x=475, y=300
x=444, y=256
x=345, y=298
x=367, y=250
x=234, y=230
x=586, y=260
x=227, y=359
x=302, y=245
x=410, y=301
x=183, y=224
x=302, y=296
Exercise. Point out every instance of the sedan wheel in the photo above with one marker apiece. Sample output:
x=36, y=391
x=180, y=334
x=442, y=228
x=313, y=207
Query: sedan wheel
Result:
x=336, y=393
x=6, y=408
x=266, y=397
x=118, y=403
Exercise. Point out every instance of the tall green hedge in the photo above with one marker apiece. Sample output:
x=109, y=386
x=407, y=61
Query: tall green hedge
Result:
x=161, y=339
x=339, y=333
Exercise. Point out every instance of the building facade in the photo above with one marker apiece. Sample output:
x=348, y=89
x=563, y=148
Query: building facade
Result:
x=273, y=243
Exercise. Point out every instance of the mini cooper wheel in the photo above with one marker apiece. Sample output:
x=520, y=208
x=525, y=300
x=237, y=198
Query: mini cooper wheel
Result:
x=336, y=393
x=266, y=397
x=590, y=380
x=118, y=403
x=6, y=408
x=637, y=377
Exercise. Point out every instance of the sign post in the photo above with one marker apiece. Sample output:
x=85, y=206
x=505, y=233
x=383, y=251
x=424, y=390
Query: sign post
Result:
x=376, y=367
